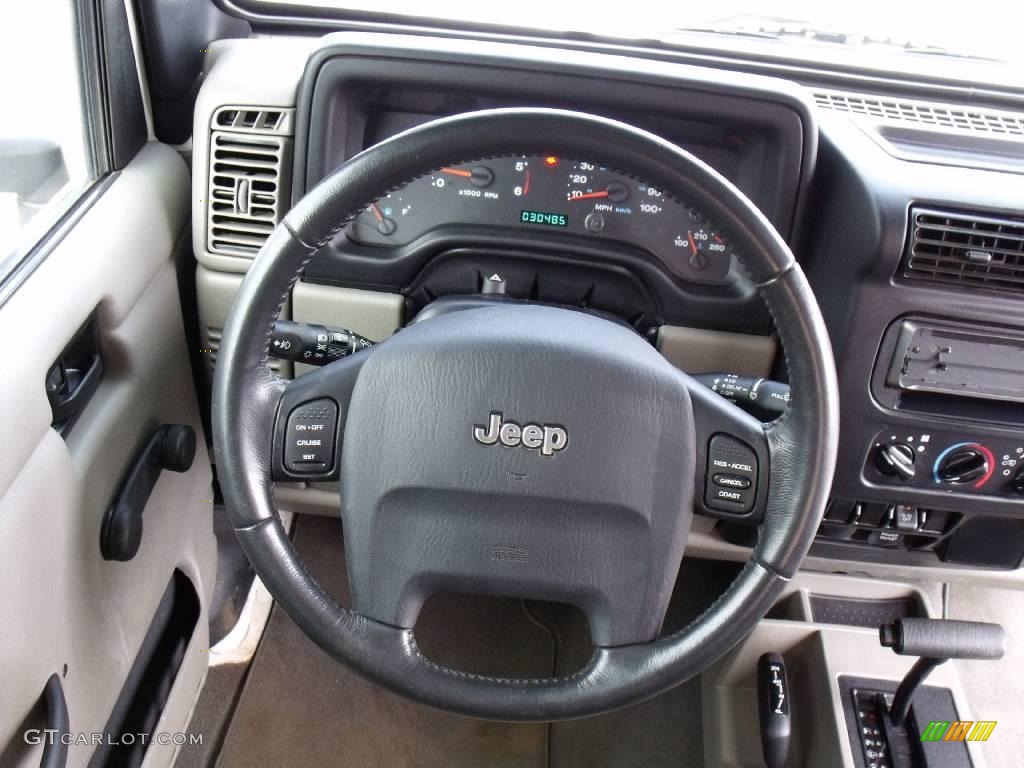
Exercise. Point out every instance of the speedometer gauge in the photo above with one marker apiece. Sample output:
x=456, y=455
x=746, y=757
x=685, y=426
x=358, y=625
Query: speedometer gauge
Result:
x=598, y=195
x=590, y=182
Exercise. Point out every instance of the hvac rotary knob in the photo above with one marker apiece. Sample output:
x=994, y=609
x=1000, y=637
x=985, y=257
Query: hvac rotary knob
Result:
x=895, y=460
x=1018, y=480
x=963, y=466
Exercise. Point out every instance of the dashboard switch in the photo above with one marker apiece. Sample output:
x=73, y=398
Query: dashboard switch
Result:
x=905, y=517
x=732, y=481
x=895, y=460
x=872, y=515
x=840, y=511
x=494, y=284
x=1018, y=480
x=732, y=467
x=309, y=437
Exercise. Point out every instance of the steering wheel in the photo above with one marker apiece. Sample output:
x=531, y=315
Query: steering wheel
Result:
x=522, y=450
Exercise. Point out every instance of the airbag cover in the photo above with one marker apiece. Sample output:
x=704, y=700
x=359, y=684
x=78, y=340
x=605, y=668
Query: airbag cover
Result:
x=576, y=486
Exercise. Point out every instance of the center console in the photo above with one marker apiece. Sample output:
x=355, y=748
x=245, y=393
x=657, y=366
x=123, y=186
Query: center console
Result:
x=840, y=685
x=941, y=490
x=915, y=268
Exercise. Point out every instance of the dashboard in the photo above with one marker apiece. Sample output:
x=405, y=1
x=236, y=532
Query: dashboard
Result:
x=901, y=228
x=567, y=231
x=556, y=195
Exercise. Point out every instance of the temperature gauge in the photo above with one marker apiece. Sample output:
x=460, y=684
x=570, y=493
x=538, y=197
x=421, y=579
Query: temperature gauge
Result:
x=702, y=247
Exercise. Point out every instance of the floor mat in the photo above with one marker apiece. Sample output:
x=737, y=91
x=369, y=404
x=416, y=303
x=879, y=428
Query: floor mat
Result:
x=992, y=687
x=664, y=732
x=299, y=707
x=212, y=716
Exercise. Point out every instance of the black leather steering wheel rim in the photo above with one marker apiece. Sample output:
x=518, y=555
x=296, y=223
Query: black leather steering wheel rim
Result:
x=802, y=442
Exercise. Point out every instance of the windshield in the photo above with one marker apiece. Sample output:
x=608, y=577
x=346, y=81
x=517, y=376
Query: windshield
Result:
x=986, y=29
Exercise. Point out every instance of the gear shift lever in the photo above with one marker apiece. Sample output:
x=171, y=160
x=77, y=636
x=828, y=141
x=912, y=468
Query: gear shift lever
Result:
x=936, y=641
x=774, y=709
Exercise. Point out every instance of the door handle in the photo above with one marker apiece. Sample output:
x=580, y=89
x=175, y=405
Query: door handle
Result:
x=69, y=389
x=55, y=749
x=172, y=447
x=74, y=377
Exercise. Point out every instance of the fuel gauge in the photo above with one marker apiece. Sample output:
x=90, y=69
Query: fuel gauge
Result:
x=385, y=224
x=382, y=220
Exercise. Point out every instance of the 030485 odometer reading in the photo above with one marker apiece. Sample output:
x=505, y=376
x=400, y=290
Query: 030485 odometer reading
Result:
x=554, y=194
x=544, y=217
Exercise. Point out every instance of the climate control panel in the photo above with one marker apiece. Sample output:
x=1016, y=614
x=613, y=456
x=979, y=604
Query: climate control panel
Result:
x=947, y=461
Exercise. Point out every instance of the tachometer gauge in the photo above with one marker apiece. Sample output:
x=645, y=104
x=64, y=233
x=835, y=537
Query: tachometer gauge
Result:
x=477, y=175
x=471, y=184
x=521, y=177
x=474, y=181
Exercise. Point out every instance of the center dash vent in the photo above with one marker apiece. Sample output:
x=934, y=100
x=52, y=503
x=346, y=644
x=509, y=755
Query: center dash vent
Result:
x=965, y=249
x=963, y=119
x=248, y=176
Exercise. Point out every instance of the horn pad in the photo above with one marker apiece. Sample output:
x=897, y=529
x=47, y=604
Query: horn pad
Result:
x=519, y=450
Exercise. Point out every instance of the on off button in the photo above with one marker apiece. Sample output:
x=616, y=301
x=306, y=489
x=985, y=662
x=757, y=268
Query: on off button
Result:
x=310, y=436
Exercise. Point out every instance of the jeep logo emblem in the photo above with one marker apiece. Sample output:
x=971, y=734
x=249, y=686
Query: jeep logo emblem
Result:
x=549, y=438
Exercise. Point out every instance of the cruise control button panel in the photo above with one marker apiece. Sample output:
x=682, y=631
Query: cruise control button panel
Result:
x=732, y=475
x=309, y=437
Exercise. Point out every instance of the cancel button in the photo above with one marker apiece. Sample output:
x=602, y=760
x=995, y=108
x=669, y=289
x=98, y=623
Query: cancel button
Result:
x=732, y=481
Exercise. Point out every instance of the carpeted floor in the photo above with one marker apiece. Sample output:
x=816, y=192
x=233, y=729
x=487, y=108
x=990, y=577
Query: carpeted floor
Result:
x=212, y=715
x=294, y=706
x=992, y=687
x=297, y=707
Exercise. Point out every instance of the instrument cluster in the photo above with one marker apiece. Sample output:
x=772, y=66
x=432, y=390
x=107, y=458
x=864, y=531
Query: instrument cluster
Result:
x=555, y=195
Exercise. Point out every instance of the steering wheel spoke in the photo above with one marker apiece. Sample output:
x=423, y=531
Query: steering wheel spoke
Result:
x=733, y=458
x=309, y=422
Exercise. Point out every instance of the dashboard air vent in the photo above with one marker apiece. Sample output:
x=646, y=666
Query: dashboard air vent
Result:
x=965, y=249
x=991, y=122
x=247, y=178
x=254, y=120
x=213, y=337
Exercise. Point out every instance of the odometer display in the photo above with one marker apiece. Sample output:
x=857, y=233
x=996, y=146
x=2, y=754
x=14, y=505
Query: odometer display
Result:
x=544, y=217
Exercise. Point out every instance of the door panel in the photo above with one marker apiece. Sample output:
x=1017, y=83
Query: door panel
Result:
x=61, y=602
